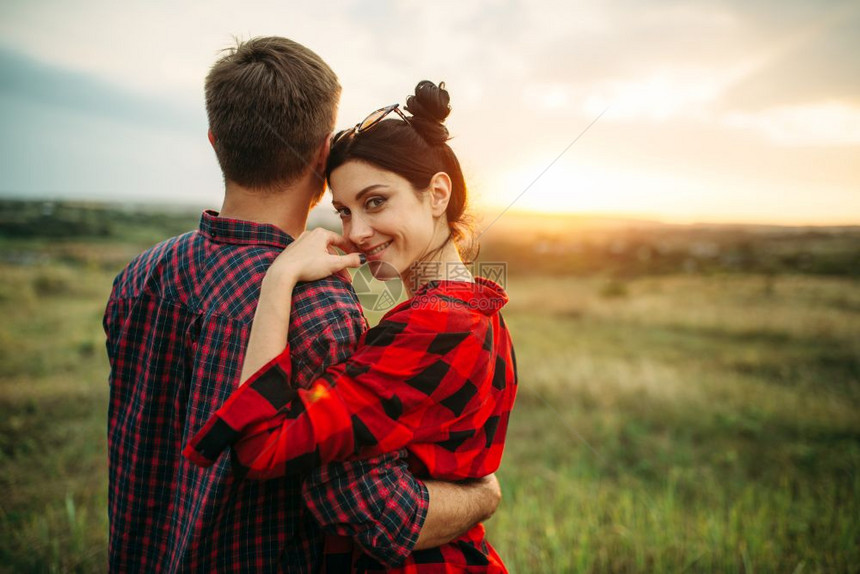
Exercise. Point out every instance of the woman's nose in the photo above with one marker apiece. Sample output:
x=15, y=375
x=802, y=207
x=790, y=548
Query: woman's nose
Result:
x=359, y=231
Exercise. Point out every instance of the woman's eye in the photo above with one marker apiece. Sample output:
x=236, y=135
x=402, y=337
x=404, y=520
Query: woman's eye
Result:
x=374, y=202
x=342, y=212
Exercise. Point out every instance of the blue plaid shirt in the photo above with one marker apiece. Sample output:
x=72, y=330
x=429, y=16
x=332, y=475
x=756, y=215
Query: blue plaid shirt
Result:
x=177, y=324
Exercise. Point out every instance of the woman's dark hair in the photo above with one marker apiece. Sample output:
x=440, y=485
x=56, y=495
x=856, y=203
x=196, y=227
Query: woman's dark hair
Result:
x=415, y=151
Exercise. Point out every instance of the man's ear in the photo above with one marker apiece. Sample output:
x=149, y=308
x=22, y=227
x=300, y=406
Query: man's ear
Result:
x=317, y=170
x=440, y=193
x=322, y=156
x=211, y=138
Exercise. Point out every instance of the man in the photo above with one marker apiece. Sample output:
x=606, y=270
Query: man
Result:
x=177, y=324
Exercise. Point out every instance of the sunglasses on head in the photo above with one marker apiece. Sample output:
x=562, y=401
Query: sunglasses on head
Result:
x=370, y=121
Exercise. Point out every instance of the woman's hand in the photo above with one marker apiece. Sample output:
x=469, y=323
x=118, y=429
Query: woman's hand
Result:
x=308, y=258
x=312, y=256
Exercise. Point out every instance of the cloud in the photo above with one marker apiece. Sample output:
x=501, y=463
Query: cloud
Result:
x=670, y=58
x=23, y=77
x=703, y=87
x=815, y=61
x=65, y=133
x=827, y=124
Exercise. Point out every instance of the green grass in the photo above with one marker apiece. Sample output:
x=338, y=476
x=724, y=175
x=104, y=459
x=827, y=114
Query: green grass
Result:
x=672, y=424
x=53, y=377
x=690, y=424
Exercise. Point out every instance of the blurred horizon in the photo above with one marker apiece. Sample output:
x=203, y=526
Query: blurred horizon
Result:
x=714, y=111
x=525, y=223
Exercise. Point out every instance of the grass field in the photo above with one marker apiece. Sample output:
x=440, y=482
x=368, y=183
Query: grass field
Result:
x=684, y=424
x=664, y=424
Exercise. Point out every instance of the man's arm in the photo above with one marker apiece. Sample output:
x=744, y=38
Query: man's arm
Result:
x=388, y=512
x=457, y=507
x=377, y=502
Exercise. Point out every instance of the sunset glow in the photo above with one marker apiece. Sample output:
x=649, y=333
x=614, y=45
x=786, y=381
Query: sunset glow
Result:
x=717, y=111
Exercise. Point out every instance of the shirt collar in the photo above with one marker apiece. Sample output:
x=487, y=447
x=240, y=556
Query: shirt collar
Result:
x=484, y=295
x=240, y=232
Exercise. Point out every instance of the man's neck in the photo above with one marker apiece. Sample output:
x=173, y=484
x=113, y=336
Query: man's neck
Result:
x=286, y=209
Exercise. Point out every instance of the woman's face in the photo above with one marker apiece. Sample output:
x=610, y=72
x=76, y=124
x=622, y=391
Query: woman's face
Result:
x=385, y=217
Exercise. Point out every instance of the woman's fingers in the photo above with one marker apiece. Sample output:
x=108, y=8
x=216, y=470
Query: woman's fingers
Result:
x=315, y=242
x=342, y=243
x=329, y=240
x=311, y=256
x=340, y=262
x=325, y=238
x=337, y=240
x=349, y=246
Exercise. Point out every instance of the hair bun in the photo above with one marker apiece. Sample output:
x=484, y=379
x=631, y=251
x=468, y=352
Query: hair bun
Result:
x=430, y=107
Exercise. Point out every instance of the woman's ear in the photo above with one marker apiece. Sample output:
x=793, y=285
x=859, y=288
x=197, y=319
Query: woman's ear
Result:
x=440, y=193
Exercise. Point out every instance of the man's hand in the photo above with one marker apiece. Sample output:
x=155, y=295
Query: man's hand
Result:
x=455, y=507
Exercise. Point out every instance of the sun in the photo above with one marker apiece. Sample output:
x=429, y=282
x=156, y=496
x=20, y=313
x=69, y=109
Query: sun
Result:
x=571, y=189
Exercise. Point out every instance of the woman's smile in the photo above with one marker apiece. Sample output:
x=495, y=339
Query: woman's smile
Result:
x=371, y=253
x=389, y=221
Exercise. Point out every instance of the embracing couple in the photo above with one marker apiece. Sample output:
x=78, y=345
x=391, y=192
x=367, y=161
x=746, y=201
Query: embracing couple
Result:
x=345, y=449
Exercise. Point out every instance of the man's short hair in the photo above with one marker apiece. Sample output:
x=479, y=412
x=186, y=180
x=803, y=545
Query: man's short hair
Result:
x=271, y=102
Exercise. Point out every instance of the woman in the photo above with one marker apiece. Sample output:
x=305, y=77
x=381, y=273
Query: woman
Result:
x=437, y=375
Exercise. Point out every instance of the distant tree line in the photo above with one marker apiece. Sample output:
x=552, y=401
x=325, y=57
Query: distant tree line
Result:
x=21, y=219
x=659, y=249
x=621, y=251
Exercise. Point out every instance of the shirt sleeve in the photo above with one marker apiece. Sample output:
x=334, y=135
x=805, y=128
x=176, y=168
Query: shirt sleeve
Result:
x=376, y=502
x=387, y=395
x=108, y=322
x=114, y=309
x=330, y=327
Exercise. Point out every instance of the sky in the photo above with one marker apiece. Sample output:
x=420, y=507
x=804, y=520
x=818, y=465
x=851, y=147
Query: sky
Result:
x=677, y=111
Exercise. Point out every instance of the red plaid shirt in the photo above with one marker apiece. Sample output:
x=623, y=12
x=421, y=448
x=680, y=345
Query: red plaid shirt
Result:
x=437, y=376
x=177, y=326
